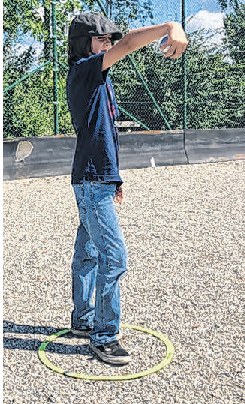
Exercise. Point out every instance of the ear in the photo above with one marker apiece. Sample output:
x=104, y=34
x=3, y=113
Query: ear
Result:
x=90, y=46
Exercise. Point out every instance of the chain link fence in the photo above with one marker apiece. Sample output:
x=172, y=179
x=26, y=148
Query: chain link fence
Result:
x=205, y=89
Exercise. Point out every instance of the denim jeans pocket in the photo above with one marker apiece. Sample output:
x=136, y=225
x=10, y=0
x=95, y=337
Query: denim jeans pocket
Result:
x=103, y=191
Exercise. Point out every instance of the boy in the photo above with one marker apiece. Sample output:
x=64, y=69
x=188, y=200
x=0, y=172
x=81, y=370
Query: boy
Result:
x=100, y=256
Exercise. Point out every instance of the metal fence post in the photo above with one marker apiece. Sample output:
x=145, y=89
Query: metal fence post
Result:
x=184, y=70
x=138, y=72
x=55, y=71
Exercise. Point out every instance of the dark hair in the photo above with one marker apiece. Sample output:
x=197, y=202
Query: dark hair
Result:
x=78, y=48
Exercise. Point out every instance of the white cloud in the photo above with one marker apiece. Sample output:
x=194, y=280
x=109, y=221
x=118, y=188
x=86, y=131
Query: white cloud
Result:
x=25, y=41
x=23, y=44
x=205, y=20
x=24, y=47
x=210, y=23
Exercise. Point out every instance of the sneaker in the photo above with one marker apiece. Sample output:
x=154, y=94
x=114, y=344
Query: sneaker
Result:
x=82, y=333
x=85, y=333
x=112, y=352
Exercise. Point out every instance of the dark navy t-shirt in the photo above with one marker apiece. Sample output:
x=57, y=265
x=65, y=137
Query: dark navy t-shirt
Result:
x=93, y=108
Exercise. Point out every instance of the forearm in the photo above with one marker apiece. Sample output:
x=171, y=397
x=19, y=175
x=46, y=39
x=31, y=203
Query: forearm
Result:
x=138, y=38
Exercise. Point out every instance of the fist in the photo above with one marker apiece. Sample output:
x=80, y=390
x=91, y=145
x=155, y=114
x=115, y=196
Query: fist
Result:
x=177, y=41
x=119, y=195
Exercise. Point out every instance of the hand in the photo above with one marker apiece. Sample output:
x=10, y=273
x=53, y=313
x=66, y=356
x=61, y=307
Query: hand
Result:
x=119, y=195
x=176, y=40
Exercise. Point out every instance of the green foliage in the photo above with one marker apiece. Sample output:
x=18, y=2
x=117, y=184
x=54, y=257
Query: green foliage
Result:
x=27, y=108
x=20, y=14
x=229, y=3
x=215, y=77
x=129, y=10
x=215, y=88
x=235, y=30
x=133, y=97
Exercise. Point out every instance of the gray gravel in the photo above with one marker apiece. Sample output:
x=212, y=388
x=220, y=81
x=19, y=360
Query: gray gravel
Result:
x=184, y=229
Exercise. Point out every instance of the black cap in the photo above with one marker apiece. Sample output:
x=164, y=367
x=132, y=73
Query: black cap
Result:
x=93, y=24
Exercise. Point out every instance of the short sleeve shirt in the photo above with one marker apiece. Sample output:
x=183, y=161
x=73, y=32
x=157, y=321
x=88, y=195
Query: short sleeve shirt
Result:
x=93, y=108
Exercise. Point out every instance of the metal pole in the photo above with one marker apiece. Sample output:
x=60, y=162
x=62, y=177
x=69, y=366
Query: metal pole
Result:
x=55, y=71
x=46, y=23
x=25, y=77
x=139, y=74
x=184, y=71
x=148, y=90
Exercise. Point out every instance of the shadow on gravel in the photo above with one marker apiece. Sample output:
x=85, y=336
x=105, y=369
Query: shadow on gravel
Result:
x=34, y=344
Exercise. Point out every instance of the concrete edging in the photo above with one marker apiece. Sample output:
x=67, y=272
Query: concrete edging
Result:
x=206, y=146
x=53, y=155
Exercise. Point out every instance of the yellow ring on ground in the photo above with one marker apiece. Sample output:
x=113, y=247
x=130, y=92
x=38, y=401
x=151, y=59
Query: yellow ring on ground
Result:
x=169, y=355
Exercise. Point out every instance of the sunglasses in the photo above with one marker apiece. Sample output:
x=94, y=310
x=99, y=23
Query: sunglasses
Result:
x=104, y=39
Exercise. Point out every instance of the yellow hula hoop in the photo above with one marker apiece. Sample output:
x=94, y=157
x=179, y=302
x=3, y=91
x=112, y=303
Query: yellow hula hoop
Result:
x=167, y=359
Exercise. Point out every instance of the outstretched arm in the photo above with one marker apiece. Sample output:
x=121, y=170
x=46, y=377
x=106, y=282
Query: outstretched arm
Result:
x=138, y=38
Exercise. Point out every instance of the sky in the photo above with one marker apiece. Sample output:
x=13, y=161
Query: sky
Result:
x=170, y=10
x=205, y=14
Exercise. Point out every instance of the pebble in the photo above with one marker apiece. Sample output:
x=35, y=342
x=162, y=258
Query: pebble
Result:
x=184, y=230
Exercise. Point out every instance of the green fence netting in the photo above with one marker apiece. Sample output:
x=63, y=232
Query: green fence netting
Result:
x=204, y=89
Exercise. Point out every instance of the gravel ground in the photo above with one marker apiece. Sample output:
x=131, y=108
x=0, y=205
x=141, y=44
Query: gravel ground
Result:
x=184, y=229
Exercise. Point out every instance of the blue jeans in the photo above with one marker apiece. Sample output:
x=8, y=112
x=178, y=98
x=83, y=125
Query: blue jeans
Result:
x=100, y=260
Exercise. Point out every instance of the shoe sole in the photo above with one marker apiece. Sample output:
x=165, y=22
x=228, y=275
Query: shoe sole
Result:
x=119, y=360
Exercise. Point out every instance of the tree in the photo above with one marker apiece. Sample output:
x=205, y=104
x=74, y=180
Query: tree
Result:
x=215, y=88
x=232, y=3
x=215, y=85
x=130, y=10
x=235, y=34
x=23, y=17
x=27, y=107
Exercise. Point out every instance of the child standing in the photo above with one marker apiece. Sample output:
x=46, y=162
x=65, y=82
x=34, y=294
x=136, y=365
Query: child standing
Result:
x=100, y=255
